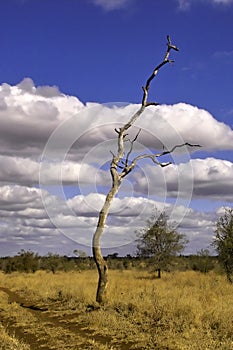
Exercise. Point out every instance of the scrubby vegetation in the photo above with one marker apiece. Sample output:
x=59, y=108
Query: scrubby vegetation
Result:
x=28, y=261
x=223, y=242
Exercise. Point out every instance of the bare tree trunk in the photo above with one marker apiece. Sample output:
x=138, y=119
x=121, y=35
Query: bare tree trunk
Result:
x=121, y=165
x=102, y=267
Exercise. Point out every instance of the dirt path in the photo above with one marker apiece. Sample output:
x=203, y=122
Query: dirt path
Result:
x=42, y=328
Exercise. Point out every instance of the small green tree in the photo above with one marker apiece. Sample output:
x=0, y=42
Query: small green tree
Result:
x=27, y=261
x=52, y=262
x=223, y=242
x=159, y=241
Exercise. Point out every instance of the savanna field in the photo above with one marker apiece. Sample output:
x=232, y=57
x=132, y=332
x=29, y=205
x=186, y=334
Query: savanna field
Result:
x=181, y=311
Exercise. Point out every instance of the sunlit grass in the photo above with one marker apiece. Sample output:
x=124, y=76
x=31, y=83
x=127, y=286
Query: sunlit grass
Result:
x=10, y=342
x=182, y=310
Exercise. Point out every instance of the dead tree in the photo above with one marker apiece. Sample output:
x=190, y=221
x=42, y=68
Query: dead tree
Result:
x=121, y=165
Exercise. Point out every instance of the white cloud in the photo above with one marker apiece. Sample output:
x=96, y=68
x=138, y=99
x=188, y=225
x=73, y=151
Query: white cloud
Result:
x=26, y=171
x=185, y=4
x=211, y=179
x=28, y=118
x=77, y=141
x=27, y=85
x=25, y=221
x=192, y=124
x=110, y=5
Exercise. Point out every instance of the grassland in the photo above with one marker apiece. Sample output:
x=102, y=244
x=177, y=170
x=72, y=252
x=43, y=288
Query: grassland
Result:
x=181, y=311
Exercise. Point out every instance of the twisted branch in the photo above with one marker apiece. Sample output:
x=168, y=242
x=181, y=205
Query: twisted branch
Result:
x=154, y=157
x=122, y=131
x=155, y=72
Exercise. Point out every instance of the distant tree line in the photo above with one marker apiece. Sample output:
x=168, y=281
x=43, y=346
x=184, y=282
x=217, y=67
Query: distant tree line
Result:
x=30, y=262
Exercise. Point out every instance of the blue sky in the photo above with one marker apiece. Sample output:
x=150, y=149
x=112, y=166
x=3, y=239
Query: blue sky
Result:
x=56, y=57
x=79, y=46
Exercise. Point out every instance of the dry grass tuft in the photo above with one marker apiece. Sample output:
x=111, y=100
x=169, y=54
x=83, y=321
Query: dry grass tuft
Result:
x=8, y=342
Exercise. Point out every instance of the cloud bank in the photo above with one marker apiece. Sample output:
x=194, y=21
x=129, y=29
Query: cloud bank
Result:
x=212, y=179
x=54, y=174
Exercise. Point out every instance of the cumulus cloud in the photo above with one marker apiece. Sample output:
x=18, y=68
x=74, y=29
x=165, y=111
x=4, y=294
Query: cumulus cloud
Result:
x=28, y=116
x=27, y=220
x=210, y=178
x=51, y=140
x=190, y=123
x=18, y=197
x=26, y=171
x=28, y=119
x=27, y=85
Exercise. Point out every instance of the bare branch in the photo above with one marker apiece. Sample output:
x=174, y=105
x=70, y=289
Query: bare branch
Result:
x=153, y=157
x=165, y=61
x=170, y=45
x=131, y=147
x=152, y=104
x=121, y=131
x=177, y=146
x=133, y=163
x=122, y=136
x=137, y=135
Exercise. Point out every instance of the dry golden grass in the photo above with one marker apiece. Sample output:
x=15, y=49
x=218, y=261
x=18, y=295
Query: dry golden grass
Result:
x=9, y=342
x=181, y=311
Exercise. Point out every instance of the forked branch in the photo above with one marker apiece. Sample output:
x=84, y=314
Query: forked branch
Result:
x=153, y=157
x=155, y=72
x=122, y=136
